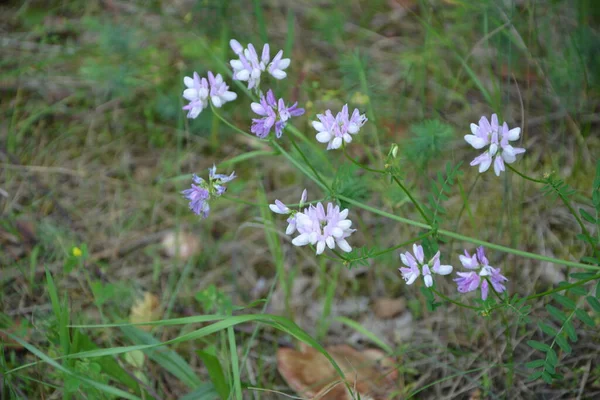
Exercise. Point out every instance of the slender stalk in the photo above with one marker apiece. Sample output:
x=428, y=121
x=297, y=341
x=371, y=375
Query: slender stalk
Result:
x=307, y=162
x=299, y=166
x=412, y=199
x=458, y=303
x=360, y=165
x=468, y=239
x=566, y=202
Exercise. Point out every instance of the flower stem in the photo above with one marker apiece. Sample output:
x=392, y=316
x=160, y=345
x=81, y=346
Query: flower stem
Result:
x=360, y=165
x=458, y=303
x=566, y=202
x=412, y=199
x=308, y=163
x=468, y=239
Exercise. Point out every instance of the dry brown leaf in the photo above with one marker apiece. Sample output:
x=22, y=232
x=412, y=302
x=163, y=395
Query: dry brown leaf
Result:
x=386, y=308
x=310, y=374
x=145, y=310
x=182, y=245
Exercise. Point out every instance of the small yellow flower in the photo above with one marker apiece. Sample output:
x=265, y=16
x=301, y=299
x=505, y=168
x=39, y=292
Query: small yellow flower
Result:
x=76, y=252
x=360, y=98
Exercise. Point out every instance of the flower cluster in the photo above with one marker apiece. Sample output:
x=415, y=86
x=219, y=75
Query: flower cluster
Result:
x=467, y=281
x=497, y=138
x=273, y=113
x=335, y=130
x=249, y=67
x=417, y=266
x=317, y=225
x=481, y=274
x=200, y=192
x=199, y=90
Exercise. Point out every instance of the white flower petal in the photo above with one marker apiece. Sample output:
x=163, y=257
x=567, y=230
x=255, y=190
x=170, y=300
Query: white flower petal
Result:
x=336, y=143
x=428, y=280
x=301, y=240
x=337, y=233
x=216, y=100
x=284, y=63
x=323, y=137
x=343, y=244
x=443, y=269
x=320, y=247
x=345, y=224
x=514, y=134
x=189, y=82
x=474, y=129
x=485, y=164
x=278, y=74
x=318, y=126
x=190, y=94
x=242, y=75
x=330, y=242
x=229, y=96
x=258, y=109
x=475, y=141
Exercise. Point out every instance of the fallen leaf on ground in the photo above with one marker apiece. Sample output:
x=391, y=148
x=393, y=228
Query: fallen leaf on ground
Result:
x=182, y=245
x=310, y=374
x=388, y=308
x=145, y=310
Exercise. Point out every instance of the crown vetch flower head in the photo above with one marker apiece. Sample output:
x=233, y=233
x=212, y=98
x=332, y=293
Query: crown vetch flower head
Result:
x=197, y=93
x=249, y=66
x=274, y=113
x=199, y=90
x=470, y=281
x=317, y=225
x=336, y=130
x=201, y=191
x=416, y=265
x=497, y=138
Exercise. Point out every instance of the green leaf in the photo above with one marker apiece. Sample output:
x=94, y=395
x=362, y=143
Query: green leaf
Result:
x=538, y=345
x=586, y=216
x=534, y=376
x=551, y=357
x=598, y=289
x=563, y=344
x=584, y=317
x=216, y=373
x=168, y=359
x=535, y=364
x=547, y=377
x=568, y=326
x=582, y=275
x=556, y=313
x=365, y=332
x=565, y=301
x=594, y=303
x=547, y=329
x=549, y=368
x=578, y=290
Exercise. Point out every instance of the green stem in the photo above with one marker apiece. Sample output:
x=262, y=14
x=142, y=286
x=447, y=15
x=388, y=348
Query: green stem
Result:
x=524, y=176
x=468, y=239
x=299, y=166
x=380, y=253
x=307, y=162
x=458, y=303
x=566, y=203
x=229, y=124
x=360, y=165
x=564, y=287
x=412, y=199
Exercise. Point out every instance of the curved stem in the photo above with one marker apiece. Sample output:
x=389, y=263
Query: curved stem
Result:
x=566, y=202
x=412, y=199
x=229, y=124
x=299, y=166
x=458, y=303
x=524, y=176
x=360, y=165
x=468, y=239
x=308, y=162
